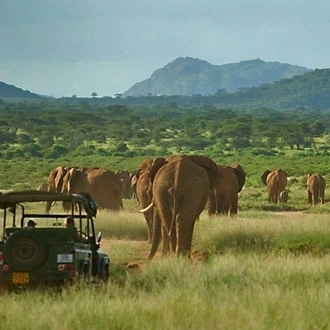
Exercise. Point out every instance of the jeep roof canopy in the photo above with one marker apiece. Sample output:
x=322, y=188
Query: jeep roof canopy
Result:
x=15, y=197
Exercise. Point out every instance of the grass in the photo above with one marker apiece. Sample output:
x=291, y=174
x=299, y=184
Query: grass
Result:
x=259, y=270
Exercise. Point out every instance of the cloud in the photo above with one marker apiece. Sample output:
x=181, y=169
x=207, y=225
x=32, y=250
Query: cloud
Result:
x=149, y=34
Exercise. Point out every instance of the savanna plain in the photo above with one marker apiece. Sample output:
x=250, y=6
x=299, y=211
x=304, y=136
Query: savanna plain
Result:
x=266, y=268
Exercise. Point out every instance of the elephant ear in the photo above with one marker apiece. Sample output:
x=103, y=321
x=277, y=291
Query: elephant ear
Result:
x=144, y=166
x=264, y=176
x=240, y=174
x=155, y=166
x=283, y=172
x=134, y=180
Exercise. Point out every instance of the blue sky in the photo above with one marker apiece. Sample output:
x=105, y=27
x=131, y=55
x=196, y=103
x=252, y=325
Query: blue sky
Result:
x=77, y=47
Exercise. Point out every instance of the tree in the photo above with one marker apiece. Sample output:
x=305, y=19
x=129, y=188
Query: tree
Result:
x=94, y=94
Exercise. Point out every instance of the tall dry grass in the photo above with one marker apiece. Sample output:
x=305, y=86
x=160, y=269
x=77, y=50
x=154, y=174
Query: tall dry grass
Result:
x=262, y=270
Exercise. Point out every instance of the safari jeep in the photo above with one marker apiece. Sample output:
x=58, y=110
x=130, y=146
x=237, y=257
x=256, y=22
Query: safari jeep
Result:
x=49, y=253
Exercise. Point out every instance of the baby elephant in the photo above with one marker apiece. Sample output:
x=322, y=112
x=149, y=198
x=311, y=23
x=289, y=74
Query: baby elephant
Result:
x=283, y=196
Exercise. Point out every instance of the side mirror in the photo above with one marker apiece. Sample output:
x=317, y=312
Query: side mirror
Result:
x=99, y=237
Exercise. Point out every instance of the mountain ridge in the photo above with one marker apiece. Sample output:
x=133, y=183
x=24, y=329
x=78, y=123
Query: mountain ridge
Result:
x=7, y=90
x=189, y=76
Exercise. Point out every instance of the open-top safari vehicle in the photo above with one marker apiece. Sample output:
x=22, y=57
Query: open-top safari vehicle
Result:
x=37, y=249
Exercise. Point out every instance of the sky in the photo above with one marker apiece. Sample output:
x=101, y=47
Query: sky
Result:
x=77, y=47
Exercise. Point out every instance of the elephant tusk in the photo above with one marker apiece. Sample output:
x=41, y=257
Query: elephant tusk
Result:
x=147, y=208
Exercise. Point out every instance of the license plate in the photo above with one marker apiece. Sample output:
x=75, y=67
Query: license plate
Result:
x=21, y=278
x=64, y=258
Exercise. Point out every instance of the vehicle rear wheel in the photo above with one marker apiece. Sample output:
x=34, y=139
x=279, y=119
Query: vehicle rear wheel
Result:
x=25, y=250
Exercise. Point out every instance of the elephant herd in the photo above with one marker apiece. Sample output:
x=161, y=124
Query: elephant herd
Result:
x=172, y=193
x=105, y=186
x=276, y=182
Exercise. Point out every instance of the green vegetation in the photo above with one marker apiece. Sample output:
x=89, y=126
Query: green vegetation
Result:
x=37, y=137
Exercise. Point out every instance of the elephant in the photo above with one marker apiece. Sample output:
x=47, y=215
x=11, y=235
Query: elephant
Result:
x=275, y=181
x=315, y=188
x=223, y=198
x=283, y=198
x=104, y=186
x=180, y=189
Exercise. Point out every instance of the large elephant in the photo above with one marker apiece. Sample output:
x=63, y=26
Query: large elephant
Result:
x=223, y=198
x=180, y=189
x=105, y=187
x=276, y=182
x=315, y=188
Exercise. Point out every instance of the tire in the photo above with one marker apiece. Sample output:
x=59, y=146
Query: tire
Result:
x=25, y=250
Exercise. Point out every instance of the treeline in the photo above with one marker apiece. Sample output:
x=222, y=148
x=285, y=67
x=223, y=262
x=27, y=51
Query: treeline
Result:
x=310, y=91
x=53, y=129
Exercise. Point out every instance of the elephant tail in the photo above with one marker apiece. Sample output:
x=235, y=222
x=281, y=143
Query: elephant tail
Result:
x=147, y=208
x=216, y=201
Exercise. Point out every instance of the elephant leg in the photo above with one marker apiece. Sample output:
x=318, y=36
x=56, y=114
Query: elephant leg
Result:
x=269, y=197
x=211, y=206
x=48, y=206
x=166, y=242
x=227, y=205
x=185, y=228
x=234, y=205
x=155, y=236
x=309, y=197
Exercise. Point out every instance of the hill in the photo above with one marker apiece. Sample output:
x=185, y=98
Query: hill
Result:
x=189, y=76
x=310, y=91
x=12, y=91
